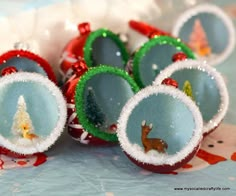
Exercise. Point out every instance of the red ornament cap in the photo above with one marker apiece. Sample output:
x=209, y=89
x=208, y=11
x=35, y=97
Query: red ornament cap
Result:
x=170, y=82
x=79, y=68
x=180, y=56
x=8, y=70
x=84, y=28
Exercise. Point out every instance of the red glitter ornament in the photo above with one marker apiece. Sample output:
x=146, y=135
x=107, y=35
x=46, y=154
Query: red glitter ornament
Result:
x=31, y=56
x=8, y=70
x=180, y=56
x=170, y=82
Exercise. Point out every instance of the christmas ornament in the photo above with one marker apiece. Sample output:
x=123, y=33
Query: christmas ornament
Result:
x=33, y=113
x=154, y=56
x=23, y=60
x=208, y=31
x=176, y=129
x=94, y=102
x=204, y=85
x=98, y=47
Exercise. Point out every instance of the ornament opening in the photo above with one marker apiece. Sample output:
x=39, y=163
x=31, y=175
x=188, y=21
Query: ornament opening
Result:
x=104, y=47
x=154, y=56
x=26, y=61
x=33, y=112
x=100, y=95
x=208, y=31
x=206, y=87
x=176, y=121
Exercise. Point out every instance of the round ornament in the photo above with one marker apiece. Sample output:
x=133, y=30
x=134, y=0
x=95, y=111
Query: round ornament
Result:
x=204, y=85
x=154, y=56
x=26, y=61
x=94, y=102
x=96, y=47
x=160, y=128
x=208, y=31
x=33, y=112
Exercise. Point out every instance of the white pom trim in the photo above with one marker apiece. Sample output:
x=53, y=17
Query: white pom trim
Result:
x=62, y=112
x=201, y=66
x=136, y=151
x=212, y=9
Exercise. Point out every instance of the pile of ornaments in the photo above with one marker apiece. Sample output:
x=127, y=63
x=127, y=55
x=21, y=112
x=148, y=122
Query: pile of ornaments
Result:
x=158, y=101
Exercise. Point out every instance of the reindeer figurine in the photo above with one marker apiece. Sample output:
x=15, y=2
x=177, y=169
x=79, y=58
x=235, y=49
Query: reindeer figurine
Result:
x=152, y=143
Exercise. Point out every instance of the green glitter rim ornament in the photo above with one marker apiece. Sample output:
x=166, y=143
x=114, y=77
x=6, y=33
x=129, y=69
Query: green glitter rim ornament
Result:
x=80, y=103
x=152, y=42
x=103, y=33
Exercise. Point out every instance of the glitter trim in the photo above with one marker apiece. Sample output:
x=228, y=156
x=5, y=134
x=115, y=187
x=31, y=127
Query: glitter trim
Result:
x=152, y=42
x=158, y=159
x=29, y=55
x=201, y=66
x=79, y=98
x=211, y=9
x=62, y=112
x=103, y=33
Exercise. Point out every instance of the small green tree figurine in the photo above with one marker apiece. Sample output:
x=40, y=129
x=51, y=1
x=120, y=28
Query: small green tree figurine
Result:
x=187, y=89
x=93, y=112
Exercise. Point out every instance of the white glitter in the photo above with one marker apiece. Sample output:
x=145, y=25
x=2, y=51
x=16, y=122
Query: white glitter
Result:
x=134, y=150
x=200, y=65
x=220, y=14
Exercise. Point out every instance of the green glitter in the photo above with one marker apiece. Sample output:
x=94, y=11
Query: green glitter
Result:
x=80, y=102
x=151, y=43
x=103, y=33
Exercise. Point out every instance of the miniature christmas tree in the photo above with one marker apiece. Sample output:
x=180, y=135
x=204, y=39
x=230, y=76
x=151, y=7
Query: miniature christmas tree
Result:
x=187, y=89
x=93, y=112
x=22, y=124
x=198, y=40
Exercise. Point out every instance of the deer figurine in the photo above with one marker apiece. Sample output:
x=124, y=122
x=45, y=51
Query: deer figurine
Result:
x=152, y=143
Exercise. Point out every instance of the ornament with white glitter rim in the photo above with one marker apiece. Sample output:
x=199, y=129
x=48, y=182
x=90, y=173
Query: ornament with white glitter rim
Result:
x=209, y=90
x=209, y=32
x=175, y=123
x=33, y=112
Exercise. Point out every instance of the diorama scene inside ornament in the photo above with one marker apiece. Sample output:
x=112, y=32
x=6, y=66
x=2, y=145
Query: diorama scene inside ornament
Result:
x=26, y=61
x=97, y=47
x=100, y=95
x=204, y=85
x=154, y=56
x=104, y=47
x=160, y=128
x=208, y=31
x=33, y=113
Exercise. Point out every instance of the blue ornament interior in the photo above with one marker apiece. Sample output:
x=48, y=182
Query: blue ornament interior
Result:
x=216, y=31
x=155, y=60
x=104, y=96
x=23, y=64
x=105, y=51
x=204, y=89
x=41, y=106
x=172, y=121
